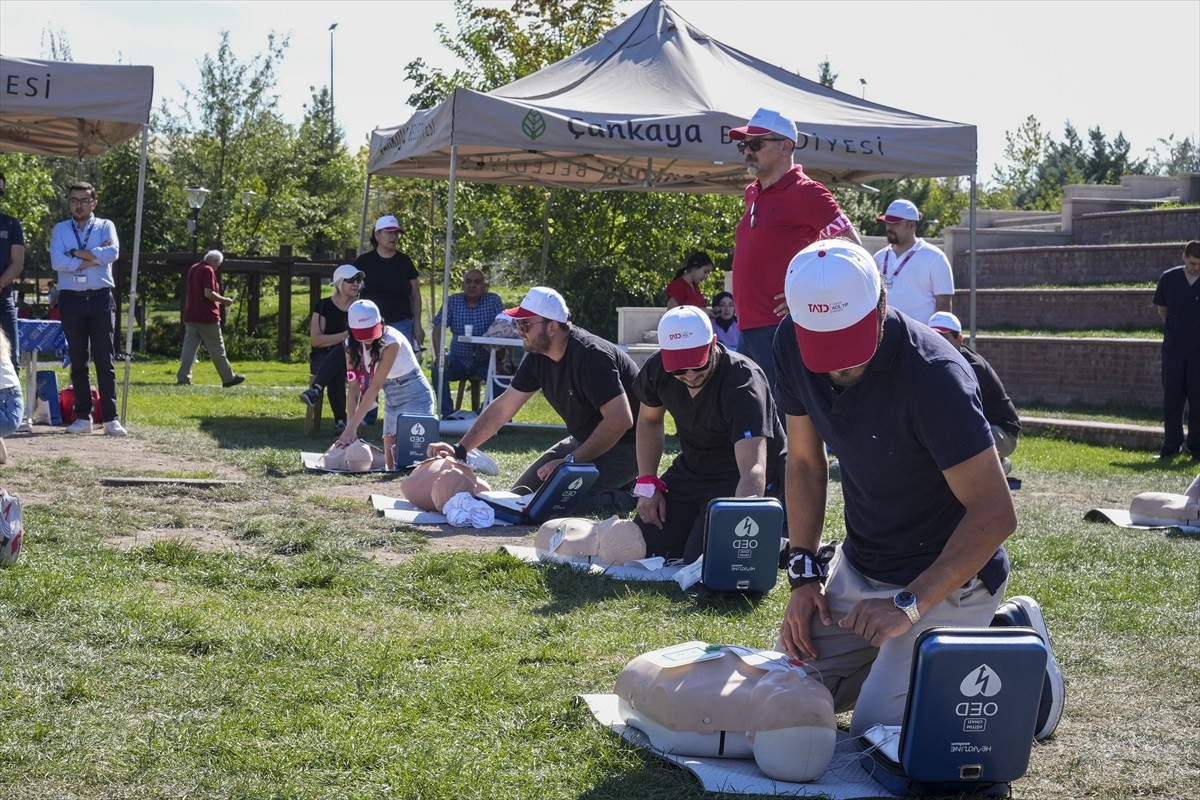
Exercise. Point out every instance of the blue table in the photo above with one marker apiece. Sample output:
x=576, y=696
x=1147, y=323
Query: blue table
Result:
x=36, y=335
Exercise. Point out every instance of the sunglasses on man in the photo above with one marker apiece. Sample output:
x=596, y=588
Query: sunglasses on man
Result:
x=756, y=144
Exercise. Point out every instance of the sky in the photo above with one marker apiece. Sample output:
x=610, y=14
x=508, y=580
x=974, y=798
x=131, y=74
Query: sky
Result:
x=990, y=64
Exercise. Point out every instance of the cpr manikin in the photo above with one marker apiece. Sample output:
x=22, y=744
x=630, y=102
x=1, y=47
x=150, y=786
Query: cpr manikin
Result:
x=355, y=457
x=1163, y=508
x=436, y=480
x=712, y=700
x=611, y=541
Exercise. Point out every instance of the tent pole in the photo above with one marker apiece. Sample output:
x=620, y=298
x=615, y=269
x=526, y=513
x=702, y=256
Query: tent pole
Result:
x=137, y=248
x=441, y=351
x=974, y=270
x=362, y=227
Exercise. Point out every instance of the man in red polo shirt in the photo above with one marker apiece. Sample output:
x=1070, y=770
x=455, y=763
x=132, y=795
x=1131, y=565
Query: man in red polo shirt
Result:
x=785, y=212
x=202, y=321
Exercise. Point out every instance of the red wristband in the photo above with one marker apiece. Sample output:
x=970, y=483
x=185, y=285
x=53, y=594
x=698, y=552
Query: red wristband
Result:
x=652, y=480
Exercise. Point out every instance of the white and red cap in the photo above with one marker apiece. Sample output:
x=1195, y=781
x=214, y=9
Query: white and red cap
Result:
x=899, y=211
x=345, y=272
x=832, y=289
x=764, y=123
x=541, y=301
x=388, y=222
x=684, y=336
x=945, y=322
x=364, y=320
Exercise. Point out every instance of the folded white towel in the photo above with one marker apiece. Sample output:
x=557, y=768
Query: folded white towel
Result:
x=464, y=510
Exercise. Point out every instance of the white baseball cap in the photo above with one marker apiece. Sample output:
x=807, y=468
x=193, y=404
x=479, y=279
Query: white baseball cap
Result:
x=899, y=211
x=345, y=272
x=364, y=320
x=541, y=301
x=387, y=223
x=945, y=322
x=684, y=336
x=832, y=289
x=764, y=122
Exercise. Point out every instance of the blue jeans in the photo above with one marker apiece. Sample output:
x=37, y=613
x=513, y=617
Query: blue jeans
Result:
x=88, y=320
x=757, y=344
x=408, y=394
x=456, y=371
x=11, y=409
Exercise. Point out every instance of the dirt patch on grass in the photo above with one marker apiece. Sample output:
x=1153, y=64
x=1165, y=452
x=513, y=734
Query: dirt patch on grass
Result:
x=139, y=455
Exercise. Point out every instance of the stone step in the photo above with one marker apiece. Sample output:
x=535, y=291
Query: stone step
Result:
x=1060, y=309
x=1146, y=226
x=1109, y=434
x=1069, y=265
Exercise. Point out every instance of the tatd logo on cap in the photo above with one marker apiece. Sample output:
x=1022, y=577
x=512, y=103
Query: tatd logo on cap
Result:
x=365, y=320
x=684, y=335
x=832, y=289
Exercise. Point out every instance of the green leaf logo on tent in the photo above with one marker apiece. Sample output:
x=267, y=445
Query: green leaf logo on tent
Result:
x=533, y=125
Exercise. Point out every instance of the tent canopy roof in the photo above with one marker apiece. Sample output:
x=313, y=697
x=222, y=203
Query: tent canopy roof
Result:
x=649, y=107
x=56, y=108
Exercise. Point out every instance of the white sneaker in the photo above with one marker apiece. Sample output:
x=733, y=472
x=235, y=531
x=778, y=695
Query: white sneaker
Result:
x=114, y=428
x=81, y=425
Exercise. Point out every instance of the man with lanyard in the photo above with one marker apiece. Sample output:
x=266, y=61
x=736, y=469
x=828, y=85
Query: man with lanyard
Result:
x=82, y=251
x=731, y=441
x=927, y=508
x=917, y=275
x=392, y=282
x=588, y=382
x=785, y=211
x=12, y=264
x=475, y=308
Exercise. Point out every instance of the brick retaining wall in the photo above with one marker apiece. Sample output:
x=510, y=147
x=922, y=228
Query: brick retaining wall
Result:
x=1068, y=266
x=1060, y=309
x=1151, y=225
x=1059, y=370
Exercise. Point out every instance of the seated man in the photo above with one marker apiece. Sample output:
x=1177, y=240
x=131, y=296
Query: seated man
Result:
x=589, y=382
x=475, y=308
x=927, y=508
x=731, y=441
x=999, y=410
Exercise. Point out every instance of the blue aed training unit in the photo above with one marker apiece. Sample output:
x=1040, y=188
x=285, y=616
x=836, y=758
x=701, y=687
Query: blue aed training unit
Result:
x=742, y=537
x=561, y=494
x=969, y=719
x=414, y=434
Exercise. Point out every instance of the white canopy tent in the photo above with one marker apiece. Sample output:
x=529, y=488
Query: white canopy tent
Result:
x=649, y=108
x=56, y=108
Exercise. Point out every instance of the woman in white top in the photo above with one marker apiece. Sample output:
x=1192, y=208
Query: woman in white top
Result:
x=11, y=405
x=380, y=358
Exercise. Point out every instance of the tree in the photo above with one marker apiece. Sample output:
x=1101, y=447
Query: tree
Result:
x=1175, y=158
x=230, y=138
x=825, y=74
x=329, y=182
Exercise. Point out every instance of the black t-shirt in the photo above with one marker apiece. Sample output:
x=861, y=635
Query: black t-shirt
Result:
x=734, y=404
x=591, y=372
x=336, y=320
x=1181, y=333
x=997, y=405
x=388, y=284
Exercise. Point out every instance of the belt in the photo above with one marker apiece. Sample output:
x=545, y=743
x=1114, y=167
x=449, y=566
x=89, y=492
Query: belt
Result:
x=87, y=292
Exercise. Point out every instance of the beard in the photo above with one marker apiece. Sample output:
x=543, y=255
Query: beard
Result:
x=538, y=342
x=891, y=237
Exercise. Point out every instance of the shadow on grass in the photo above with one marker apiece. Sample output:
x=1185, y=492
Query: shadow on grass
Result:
x=571, y=589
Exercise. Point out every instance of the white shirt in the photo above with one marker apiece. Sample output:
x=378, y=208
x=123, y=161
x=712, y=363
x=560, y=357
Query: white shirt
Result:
x=406, y=360
x=914, y=277
x=68, y=236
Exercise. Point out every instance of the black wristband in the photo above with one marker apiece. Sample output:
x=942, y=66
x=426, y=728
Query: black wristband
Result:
x=460, y=452
x=806, y=567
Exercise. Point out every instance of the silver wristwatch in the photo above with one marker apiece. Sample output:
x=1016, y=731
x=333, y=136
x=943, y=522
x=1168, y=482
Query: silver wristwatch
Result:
x=906, y=601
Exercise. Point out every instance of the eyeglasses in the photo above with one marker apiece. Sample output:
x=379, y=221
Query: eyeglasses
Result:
x=756, y=144
x=523, y=325
x=355, y=279
x=679, y=373
x=79, y=201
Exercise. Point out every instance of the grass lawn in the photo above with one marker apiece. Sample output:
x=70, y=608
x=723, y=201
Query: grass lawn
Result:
x=323, y=652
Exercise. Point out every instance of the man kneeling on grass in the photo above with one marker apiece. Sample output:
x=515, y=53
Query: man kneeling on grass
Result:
x=588, y=382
